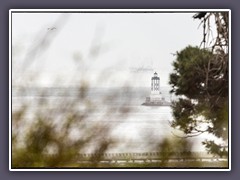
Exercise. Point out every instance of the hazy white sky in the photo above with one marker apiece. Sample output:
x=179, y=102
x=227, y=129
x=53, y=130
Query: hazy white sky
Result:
x=105, y=48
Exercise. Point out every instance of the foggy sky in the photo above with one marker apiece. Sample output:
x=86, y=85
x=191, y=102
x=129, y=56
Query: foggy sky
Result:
x=106, y=49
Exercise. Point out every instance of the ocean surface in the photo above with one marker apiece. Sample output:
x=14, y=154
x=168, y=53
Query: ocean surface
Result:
x=134, y=127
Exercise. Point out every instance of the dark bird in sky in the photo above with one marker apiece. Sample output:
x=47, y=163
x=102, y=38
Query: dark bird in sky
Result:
x=53, y=28
x=199, y=15
x=175, y=54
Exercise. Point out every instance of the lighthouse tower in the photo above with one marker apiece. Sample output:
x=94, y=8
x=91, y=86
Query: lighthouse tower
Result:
x=155, y=98
x=155, y=95
x=155, y=84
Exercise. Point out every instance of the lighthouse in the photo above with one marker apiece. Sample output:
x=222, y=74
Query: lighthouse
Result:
x=155, y=95
x=155, y=84
x=155, y=98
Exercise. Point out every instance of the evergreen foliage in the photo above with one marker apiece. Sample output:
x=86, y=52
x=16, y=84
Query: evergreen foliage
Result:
x=200, y=79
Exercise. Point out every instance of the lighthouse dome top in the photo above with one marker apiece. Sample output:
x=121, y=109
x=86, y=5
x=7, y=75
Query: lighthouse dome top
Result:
x=155, y=76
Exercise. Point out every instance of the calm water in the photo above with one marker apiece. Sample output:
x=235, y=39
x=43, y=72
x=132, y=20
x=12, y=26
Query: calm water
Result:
x=136, y=128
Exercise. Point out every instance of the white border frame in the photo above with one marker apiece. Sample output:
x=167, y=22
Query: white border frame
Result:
x=113, y=10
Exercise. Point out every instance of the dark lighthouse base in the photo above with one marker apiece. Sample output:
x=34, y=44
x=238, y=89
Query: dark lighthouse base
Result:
x=162, y=103
x=158, y=102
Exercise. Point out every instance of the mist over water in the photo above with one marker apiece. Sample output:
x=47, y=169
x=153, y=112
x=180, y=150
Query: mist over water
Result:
x=136, y=128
